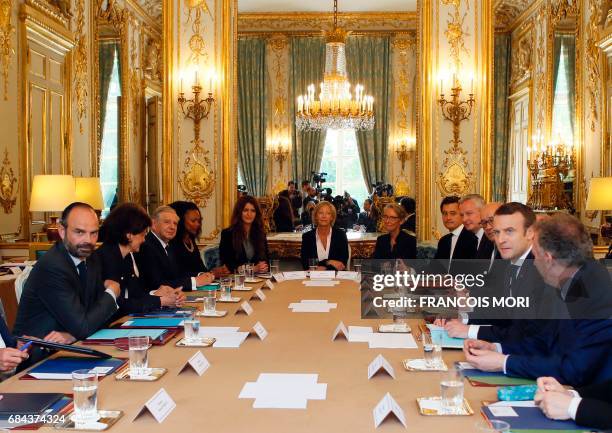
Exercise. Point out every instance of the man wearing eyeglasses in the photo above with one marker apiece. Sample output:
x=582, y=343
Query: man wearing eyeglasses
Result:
x=486, y=249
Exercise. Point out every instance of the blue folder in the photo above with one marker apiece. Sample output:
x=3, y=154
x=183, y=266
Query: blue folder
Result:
x=62, y=367
x=532, y=418
x=167, y=312
x=441, y=338
x=160, y=322
x=112, y=334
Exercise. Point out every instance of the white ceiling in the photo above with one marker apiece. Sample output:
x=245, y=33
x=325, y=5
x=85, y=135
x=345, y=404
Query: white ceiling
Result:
x=326, y=5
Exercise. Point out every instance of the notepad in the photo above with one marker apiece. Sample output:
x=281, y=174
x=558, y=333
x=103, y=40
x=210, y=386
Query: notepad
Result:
x=112, y=334
x=532, y=418
x=162, y=322
x=62, y=368
x=440, y=337
x=27, y=403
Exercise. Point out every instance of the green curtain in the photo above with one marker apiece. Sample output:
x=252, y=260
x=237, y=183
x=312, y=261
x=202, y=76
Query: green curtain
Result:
x=307, y=67
x=368, y=61
x=502, y=51
x=106, y=51
x=252, y=114
x=569, y=45
x=557, y=47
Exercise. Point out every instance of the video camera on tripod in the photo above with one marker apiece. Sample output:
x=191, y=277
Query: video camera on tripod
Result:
x=318, y=179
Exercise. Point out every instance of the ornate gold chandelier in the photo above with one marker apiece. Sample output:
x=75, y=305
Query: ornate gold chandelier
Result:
x=336, y=107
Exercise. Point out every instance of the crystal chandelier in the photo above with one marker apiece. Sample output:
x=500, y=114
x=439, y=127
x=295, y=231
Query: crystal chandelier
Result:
x=336, y=107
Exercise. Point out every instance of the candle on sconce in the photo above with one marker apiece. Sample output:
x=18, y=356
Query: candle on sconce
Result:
x=181, y=85
x=472, y=86
x=196, y=78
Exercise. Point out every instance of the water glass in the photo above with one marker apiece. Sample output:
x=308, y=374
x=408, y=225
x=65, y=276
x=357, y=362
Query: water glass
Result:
x=451, y=389
x=248, y=270
x=274, y=266
x=492, y=426
x=239, y=281
x=226, y=289
x=210, y=302
x=192, y=328
x=139, y=356
x=313, y=264
x=85, y=389
x=432, y=353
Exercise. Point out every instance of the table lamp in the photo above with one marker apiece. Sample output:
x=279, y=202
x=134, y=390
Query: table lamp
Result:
x=89, y=190
x=52, y=193
x=600, y=198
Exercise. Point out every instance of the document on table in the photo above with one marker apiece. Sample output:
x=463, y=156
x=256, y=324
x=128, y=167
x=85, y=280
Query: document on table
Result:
x=312, y=306
x=391, y=341
x=359, y=334
x=284, y=391
x=320, y=283
x=230, y=340
x=296, y=275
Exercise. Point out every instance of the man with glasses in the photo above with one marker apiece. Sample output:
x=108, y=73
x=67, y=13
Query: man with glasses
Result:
x=486, y=249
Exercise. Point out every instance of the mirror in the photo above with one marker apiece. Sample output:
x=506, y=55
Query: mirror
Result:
x=281, y=52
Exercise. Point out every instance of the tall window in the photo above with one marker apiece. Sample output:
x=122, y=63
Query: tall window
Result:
x=109, y=172
x=562, y=123
x=341, y=163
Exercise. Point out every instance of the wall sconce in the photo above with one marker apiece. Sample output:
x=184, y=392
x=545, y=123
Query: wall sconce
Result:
x=197, y=109
x=456, y=110
x=405, y=147
x=280, y=154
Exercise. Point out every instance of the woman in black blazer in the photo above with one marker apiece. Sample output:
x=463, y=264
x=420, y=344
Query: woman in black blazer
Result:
x=327, y=244
x=245, y=240
x=125, y=229
x=396, y=243
x=184, y=245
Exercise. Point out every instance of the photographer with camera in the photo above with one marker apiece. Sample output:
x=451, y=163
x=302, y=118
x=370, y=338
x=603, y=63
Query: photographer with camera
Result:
x=367, y=219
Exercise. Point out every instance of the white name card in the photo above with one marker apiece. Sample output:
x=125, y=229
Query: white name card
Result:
x=322, y=275
x=260, y=331
x=197, y=363
x=160, y=406
x=259, y=295
x=340, y=331
x=297, y=275
x=347, y=275
x=385, y=407
x=268, y=285
x=279, y=277
x=380, y=363
x=245, y=307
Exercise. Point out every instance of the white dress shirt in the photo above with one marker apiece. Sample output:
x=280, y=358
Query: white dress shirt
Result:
x=323, y=251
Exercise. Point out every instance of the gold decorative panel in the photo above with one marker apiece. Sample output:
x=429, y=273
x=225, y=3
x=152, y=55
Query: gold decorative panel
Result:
x=6, y=41
x=80, y=64
x=196, y=42
x=8, y=185
x=197, y=180
x=593, y=56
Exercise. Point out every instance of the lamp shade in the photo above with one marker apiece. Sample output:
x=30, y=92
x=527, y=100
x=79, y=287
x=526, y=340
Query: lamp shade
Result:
x=88, y=190
x=600, y=194
x=51, y=193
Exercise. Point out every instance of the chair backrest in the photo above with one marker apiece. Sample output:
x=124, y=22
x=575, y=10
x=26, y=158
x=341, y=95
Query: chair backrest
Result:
x=20, y=282
x=37, y=249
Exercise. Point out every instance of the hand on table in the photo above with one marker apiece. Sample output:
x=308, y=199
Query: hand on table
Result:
x=338, y=265
x=10, y=358
x=204, y=279
x=59, y=337
x=164, y=291
x=260, y=267
x=554, y=404
x=456, y=329
x=483, y=355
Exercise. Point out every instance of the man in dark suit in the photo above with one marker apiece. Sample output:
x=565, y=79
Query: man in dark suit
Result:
x=577, y=351
x=367, y=218
x=589, y=406
x=486, y=249
x=460, y=243
x=156, y=259
x=64, y=291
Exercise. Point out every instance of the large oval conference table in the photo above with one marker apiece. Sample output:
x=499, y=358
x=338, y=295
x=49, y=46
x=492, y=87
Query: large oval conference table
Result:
x=297, y=343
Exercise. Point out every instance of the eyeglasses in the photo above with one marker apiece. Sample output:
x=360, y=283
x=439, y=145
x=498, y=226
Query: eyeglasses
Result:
x=390, y=217
x=486, y=222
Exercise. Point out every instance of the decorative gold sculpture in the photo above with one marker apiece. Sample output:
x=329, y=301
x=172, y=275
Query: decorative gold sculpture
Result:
x=196, y=109
x=80, y=64
x=280, y=155
x=456, y=110
x=6, y=41
x=196, y=42
x=8, y=185
x=549, y=168
x=197, y=180
x=405, y=150
x=268, y=205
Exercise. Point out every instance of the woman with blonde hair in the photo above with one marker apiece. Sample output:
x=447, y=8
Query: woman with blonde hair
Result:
x=396, y=243
x=326, y=244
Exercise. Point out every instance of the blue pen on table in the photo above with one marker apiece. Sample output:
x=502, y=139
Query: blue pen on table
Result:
x=25, y=346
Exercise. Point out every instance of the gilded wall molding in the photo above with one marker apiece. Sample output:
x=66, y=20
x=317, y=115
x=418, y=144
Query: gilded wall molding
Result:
x=540, y=69
x=456, y=32
x=135, y=85
x=8, y=185
x=7, y=29
x=593, y=59
x=522, y=60
x=196, y=43
x=317, y=21
x=506, y=12
x=80, y=65
x=197, y=179
x=58, y=10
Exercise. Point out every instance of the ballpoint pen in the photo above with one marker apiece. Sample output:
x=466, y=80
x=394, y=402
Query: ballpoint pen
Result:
x=25, y=346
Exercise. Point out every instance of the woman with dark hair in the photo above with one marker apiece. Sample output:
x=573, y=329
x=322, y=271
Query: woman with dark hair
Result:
x=283, y=215
x=184, y=243
x=125, y=229
x=244, y=241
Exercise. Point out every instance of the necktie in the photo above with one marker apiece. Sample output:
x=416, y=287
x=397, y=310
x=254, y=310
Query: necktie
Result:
x=82, y=267
x=513, y=271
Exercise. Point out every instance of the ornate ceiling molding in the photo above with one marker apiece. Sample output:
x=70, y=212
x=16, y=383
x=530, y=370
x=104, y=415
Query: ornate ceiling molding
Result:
x=507, y=12
x=317, y=21
x=153, y=8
